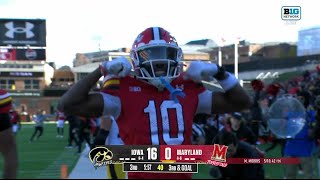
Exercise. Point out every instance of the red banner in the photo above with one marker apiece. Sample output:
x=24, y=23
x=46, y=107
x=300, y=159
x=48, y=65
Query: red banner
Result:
x=213, y=154
x=263, y=161
x=192, y=153
x=7, y=56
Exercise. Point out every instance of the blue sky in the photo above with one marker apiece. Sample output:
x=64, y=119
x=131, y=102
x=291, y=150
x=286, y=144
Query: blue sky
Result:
x=80, y=25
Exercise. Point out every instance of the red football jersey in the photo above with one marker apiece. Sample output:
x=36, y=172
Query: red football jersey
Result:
x=60, y=116
x=14, y=117
x=148, y=116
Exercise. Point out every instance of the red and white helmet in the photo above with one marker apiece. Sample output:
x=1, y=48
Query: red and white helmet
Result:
x=155, y=53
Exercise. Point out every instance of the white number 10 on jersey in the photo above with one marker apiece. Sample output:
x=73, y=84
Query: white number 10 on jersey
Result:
x=165, y=121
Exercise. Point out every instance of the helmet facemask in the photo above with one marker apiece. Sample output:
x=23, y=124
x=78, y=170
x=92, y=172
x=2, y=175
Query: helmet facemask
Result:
x=158, y=61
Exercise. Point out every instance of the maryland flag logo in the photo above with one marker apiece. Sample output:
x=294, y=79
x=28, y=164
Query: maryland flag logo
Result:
x=100, y=156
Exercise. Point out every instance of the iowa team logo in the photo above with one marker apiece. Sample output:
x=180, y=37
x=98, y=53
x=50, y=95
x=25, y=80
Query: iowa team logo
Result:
x=100, y=156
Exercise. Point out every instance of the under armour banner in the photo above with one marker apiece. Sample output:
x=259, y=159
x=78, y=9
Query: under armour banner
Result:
x=22, y=32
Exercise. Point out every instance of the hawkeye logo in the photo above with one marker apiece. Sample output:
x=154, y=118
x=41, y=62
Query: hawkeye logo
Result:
x=219, y=156
x=100, y=156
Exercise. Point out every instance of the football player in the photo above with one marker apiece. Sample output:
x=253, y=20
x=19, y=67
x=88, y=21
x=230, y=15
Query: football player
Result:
x=60, y=117
x=8, y=147
x=15, y=120
x=155, y=104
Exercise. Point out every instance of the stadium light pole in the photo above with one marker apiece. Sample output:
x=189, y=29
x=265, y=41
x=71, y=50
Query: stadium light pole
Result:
x=220, y=57
x=236, y=73
x=220, y=52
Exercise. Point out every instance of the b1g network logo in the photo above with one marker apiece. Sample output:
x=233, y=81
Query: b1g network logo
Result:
x=291, y=13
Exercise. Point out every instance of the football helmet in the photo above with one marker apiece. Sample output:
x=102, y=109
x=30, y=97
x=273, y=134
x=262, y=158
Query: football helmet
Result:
x=155, y=53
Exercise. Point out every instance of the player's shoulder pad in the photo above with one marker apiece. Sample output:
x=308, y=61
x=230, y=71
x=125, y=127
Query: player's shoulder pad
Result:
x=5, y=97
x=110, y=83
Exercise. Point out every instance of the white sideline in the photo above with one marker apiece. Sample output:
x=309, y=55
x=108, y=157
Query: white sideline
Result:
x=85, y=170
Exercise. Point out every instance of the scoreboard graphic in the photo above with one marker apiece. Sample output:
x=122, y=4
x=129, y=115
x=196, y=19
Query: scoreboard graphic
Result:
x=146, y=158
x=161, y=167
x=171, y=158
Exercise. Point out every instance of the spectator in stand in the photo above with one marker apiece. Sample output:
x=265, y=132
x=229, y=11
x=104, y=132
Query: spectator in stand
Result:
x=306, y=75
x=238, y=126
x=303, y=95
x=292, y=87
x=198, y=135
x=206, y=123
x=15, y=120
x=255, y=110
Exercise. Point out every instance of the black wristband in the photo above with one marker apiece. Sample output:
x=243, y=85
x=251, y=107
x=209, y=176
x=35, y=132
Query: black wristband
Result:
x=101, y=137
x=104, y=132
x=221, y=74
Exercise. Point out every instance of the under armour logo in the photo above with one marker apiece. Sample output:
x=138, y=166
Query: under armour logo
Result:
x=12, y=30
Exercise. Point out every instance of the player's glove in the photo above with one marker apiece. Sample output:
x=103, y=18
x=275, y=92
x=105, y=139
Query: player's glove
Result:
x=198, y=71
x=119, y=67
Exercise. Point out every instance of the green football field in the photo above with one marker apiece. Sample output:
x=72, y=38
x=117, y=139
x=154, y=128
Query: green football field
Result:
x=44, y=157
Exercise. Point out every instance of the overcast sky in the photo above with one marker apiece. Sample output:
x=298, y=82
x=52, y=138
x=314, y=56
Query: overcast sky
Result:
x=81, y=25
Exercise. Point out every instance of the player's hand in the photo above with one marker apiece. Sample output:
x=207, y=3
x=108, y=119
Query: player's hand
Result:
x=105, y=122
x=119, y=67
x=198, y=71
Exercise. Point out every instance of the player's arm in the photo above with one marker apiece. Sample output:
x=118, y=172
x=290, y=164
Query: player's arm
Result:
x=79, y=101
x=234, y=98
x=8, y=148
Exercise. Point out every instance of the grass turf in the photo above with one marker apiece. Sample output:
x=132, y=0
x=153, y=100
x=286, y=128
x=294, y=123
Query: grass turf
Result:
x=43, y=158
